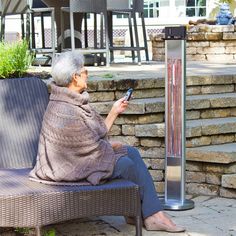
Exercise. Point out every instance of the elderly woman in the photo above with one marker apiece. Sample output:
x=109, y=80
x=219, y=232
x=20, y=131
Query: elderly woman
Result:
x=73, y=143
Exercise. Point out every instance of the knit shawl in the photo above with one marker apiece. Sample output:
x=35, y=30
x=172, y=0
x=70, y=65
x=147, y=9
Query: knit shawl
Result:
x=73, y=143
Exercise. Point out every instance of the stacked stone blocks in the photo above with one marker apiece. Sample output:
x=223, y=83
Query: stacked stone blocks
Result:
x=210, y=128
x=213, y=43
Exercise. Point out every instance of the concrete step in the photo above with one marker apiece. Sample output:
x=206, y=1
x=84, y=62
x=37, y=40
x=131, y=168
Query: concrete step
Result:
x=210, y=89
x=157, y=105
x=194, y=128
x=147, y=85
x=229, y=181
x=122, y=80
x=224, y=153
x=103, y=95
x=204, y=127
x=216, y=139
x=190, y=90
x=210, y=80
x=211, y=101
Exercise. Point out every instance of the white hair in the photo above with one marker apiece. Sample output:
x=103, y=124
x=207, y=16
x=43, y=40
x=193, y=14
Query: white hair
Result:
x=65, y=66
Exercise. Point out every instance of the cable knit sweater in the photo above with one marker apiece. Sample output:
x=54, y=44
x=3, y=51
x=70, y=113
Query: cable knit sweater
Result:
x=73, y=143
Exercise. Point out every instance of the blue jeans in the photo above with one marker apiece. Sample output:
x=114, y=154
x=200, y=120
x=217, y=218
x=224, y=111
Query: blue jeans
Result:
x=133, y=168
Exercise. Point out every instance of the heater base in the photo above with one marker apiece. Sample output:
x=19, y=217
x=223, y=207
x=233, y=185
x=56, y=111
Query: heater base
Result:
x=175, y=205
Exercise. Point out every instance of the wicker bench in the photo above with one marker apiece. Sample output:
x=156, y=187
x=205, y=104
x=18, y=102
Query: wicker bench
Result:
x=24, y=203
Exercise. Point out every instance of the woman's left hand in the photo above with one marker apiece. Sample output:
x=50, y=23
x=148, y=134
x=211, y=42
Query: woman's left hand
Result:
x=116, y=145
x=120, y=106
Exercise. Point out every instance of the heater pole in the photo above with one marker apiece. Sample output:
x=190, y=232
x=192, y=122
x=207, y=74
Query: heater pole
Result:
x=175, y=121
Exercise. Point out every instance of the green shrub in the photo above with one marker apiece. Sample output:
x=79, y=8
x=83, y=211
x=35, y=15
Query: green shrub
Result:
x=27, y=231
x=15, y=59
x=51, y=232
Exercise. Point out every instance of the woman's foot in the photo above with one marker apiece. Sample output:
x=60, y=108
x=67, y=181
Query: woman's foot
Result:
x=161, y=222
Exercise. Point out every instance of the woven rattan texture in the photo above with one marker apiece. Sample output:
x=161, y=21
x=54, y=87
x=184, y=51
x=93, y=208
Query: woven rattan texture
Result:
x=22, y=105
x=26, y=203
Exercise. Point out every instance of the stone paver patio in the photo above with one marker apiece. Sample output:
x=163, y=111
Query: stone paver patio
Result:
x=212, y=216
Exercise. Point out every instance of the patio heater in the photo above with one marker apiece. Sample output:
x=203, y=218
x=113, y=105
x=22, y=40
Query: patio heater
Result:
x=175, y=81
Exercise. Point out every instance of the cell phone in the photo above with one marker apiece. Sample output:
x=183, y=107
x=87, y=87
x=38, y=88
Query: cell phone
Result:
x=128, y=94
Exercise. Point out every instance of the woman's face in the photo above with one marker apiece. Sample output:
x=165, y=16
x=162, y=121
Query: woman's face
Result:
x=81, y=80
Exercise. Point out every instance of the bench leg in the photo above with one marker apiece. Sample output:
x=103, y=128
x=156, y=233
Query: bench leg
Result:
x=38, y=231
x=138, y=225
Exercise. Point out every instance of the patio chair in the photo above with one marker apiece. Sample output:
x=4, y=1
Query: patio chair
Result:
x=84, y=7
x=124, y=7
x=39, y=9
x=16, y=7
x=25, y=203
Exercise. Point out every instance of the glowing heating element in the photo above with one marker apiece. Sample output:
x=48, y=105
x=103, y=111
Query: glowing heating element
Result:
x=174, y=106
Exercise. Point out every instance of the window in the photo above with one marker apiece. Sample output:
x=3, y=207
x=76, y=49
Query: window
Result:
x=177, y=8
x=196, y=8
x=151, y=8
x=172, y=8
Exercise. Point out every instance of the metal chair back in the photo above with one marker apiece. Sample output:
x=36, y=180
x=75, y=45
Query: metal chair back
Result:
x=89, y=6
x=129, y=7
x=94, y=7
x=138, y=6
x=118, y=5
x=40, y=9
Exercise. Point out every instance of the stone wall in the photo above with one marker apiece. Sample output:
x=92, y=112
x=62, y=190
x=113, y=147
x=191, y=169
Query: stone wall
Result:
x=211, y=119
x=212, y=43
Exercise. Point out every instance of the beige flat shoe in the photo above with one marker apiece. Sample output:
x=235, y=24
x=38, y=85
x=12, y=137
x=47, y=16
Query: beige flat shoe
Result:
x=157, y=226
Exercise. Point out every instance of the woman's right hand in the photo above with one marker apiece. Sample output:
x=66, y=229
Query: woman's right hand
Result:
x=119, y=106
